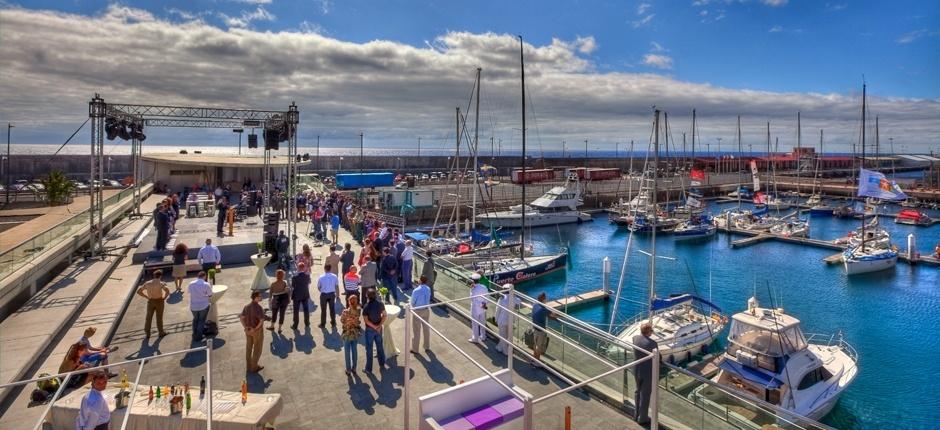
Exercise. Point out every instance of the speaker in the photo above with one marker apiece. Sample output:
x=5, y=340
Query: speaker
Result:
x=252, y=141
x=271, y=139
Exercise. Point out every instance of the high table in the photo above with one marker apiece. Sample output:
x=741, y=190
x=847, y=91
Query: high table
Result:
x=228, y=411
x=388, y=338
x=261, y=281
x=217, y=292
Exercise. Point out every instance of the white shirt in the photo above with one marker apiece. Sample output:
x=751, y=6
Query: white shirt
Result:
x=94, y=411
x=407, y=253
x=327, y=283
x=199, y=293
x=209, y=254
x=478, y=302
x=502, y=315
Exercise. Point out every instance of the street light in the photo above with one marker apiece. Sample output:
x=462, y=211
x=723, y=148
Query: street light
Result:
x=7, y=201
x=340, y=165
x=239, y=131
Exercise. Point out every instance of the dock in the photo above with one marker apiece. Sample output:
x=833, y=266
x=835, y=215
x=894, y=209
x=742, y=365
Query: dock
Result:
x=579, y=299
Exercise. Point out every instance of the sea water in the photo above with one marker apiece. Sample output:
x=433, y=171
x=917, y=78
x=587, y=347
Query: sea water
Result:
x=892, y=317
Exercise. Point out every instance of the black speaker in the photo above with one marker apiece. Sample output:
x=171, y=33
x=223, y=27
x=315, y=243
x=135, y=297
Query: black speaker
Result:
x=271, y=139
x=252, y=141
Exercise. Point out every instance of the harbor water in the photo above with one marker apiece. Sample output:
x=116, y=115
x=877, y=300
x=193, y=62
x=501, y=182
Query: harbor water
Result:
x=892, y=317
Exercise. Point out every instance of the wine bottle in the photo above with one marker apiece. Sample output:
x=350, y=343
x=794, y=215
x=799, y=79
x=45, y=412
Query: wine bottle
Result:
x=202, y=387
x=244, y=391
x=150, y=395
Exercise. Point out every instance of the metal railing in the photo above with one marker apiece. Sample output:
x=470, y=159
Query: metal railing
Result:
x=64, y=378
x=21, y=254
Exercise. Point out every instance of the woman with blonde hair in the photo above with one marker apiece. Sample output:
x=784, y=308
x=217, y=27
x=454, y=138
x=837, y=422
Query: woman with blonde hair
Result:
x=280, y=299
x=305, y=257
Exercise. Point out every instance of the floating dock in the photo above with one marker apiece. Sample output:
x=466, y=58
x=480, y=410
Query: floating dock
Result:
x=579, y=299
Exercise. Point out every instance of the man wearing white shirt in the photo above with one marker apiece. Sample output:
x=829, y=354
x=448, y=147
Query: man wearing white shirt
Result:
x=407, y=265
x=503, y=316
x=199, y=294
x=477, y=309
x=209, y=256
x=94, y=413
x=328, y=285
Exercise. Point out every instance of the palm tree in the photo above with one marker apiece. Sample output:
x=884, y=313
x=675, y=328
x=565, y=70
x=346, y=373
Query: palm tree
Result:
x=58, y=188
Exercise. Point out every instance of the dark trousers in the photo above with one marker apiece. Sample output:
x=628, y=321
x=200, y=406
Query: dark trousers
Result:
x=199, y=321
x=641, y=397
x=163, y=237
x=326, y=305
x=374, y=339
x=279, y=305
x=219, y=224
x=305, y=303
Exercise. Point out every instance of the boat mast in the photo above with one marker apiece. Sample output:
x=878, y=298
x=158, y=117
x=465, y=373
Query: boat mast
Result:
x=818, y=162
x=456, y=169
x=476, y=148
x=864, y=89
x=740, y=153
x=522, y=175
x=770, y=159
x=655, y=219
x=799, y=153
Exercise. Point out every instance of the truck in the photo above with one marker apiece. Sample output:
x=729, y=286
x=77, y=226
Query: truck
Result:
x=602, y=174
x=348, y=181
x=532, y=175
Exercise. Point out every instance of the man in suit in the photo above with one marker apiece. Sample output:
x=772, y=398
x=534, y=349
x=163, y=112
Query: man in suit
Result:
x=300, y=294
x=643, y=373
x=221, y=212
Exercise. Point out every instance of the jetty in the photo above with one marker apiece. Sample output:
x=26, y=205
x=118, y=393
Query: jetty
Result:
x=579, y=299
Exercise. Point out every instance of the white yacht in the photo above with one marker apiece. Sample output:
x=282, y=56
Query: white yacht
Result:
x=770, y=359
x=558, y=206
x=680, y=328
x=867, y=259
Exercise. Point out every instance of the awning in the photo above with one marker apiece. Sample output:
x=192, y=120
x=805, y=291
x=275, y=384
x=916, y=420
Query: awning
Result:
x=752, y=375
x=414, y=235
x=658, y=303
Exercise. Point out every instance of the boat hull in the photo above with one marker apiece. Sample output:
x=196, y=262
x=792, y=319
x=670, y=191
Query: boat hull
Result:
x=514, y=220
x=858, y=267
x=516, y=275
x=820, y=212
x=683, y=236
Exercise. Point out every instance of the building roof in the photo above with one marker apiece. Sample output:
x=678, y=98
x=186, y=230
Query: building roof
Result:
x=216, y=160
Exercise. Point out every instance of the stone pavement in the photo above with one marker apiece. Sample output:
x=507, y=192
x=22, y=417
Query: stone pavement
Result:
x=48, y=218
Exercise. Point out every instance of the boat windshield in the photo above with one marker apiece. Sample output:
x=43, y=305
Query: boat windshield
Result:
x=766, y=341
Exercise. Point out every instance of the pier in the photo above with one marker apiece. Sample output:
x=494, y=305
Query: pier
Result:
x=579, y=299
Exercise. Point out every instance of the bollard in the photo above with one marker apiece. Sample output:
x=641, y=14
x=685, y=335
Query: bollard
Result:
x=567, y=417
x=606, y=277
x=911, y=245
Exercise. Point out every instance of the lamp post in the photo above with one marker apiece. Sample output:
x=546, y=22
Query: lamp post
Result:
x=361, y=150
x=318, y=154
x=719, y=154
x=239, y=131
x=585, y=149
x=564, y=148
x=340, y=165
x=7, y=201
x=419, y=146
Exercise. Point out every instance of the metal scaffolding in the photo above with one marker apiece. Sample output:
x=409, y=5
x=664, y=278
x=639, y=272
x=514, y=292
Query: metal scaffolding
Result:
x=182, y=116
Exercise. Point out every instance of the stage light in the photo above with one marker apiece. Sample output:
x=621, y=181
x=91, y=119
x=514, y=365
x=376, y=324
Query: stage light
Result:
x=137, y=132
x=298, y=158
x=123, y=131
x=306, y=157
x=110, y=128
x=252, y=141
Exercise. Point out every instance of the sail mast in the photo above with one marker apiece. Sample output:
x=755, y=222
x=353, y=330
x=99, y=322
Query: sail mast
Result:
x=476, y=150
x=655, y=217
x=456, y=171
x=864, y=89
x=522, y=175
x=740, y=179
x=799, y=153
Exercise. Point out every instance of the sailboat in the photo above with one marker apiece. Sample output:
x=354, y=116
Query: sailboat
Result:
x=864, y=259
x=680, y=326
x=521, y=268
x=774, y=202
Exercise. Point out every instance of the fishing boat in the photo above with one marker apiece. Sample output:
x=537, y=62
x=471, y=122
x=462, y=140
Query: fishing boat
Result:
x=557, y=206
x=770, y=359
x=913, y=217
x=683, y=325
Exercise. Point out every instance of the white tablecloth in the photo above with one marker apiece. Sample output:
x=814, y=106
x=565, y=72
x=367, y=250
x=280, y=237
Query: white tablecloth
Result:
x=261, y=281
x=229, y=413
x=388, y=338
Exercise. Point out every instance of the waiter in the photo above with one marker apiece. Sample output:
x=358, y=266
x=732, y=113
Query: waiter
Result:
x=477, y=309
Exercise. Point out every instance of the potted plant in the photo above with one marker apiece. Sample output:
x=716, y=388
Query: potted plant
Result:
x=383, y=293
x=211, y=275
x=261, y=250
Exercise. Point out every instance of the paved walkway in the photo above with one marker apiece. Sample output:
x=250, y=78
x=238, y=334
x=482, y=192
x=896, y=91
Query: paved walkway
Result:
x=48, y=219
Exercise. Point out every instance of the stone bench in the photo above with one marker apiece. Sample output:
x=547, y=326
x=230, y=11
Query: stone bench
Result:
x=480, y=404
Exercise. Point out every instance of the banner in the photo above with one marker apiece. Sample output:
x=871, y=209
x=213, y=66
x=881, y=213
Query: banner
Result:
x=754, y=175
x=875, y=184
x=692, y=202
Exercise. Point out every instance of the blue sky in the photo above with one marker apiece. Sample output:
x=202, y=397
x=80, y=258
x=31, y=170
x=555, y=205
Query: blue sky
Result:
x=394, y=69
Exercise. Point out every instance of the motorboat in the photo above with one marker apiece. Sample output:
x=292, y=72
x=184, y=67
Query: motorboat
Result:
x=683, y=326
x=516, y=270
x=770, y=359
x=697, y=227
x=814, y=200
x=867, y=259
x=558, y=206
x=777, y=204
x=791, y=228
x=913, y=217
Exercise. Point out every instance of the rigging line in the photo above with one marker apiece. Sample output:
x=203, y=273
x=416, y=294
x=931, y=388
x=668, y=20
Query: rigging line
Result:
x=535, y=119
x=70, y=137
x=688, y=269
x=773, y=313
x=623, y=275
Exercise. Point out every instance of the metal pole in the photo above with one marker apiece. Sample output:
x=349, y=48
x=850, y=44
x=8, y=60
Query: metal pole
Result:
x=511, y=324
x=318, y=153
x=654, y=392
x=409, y=321
x=527, y=414
x=7, y=201
x=209, y=384
x=585, y=150
x=361, y=149
x=419, y=146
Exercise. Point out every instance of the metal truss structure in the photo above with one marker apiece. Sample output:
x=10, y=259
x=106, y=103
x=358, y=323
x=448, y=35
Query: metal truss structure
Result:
x=184, y=116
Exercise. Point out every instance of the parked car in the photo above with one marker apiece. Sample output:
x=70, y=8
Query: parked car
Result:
x=112, y=183
x=79, y=185
x=425, y=177
x=434, y=176
x=20, y=185
x=37, y=186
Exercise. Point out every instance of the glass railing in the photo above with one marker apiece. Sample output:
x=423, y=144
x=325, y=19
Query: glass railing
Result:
x=21, y=254
x=686, y=400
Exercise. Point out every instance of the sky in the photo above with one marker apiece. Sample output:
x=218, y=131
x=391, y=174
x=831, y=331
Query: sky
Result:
x=396, y=70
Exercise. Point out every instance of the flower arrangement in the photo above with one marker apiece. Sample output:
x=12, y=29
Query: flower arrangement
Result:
x=211, y=275
x=260, y=246
x=383, y=291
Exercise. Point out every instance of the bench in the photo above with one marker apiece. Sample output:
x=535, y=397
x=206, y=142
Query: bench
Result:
x=166, y=265
x=480, y=404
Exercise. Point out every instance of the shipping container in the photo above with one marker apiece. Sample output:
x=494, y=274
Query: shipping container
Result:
x=348, y=181
x=532, y=175
x=602, y=174
x=581, y=172
x=392, y=199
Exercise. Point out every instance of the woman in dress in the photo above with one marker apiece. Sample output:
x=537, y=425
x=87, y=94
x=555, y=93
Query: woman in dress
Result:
x=179, y=265
x=280, y=299
x=305, y=257
x=351, y=333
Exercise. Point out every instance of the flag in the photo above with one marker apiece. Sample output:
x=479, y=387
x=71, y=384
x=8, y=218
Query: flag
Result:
x=760, y=198
x=754, y=175
x=875, y=184
x=695, y=183
x=697, y=174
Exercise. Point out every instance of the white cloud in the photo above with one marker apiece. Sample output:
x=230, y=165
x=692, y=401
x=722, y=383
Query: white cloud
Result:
x=658, y=61
x=642, y=8
x=835, y=7
x=703, y=12
x=656, y=47
x=246, y=18
x=390, y=90
x=644, y=21
x=912, y=36
x=311, y=27
x=586, y=45
x=775, y=3
x=775, y=29
x=253, y=1
x=325, y=6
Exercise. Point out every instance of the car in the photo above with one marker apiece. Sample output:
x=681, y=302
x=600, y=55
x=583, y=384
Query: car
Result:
x=79, y=185
x=434, y=176
x=113, y=183
x=398, y=177
x=401, y=185
x=425, y=177
x=20, y=185
x=37, y=186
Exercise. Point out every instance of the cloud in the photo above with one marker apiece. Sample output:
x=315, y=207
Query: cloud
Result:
x=656, y=47
x=586, y=45
x=246, y=18
x=775, y=3
x=325, y=6
x=389, y=90
x=775, y=29
x=253, y=1
x=835, y=7
x=642, y=8
x=912, y=36
x=644, y=21
x=658, y=61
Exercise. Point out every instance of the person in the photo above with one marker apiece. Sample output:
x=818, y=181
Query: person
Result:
x=503, y=317
x=333, y=259
x=429, y=272
x=283, y=248
x=334, y=228
x=221, y=213
x=420, y=298
x=91, y=355
x=252, y=319
x=315, y=214
x=364, y=252
x=352, y=331
x=280, y=299
x=351, y=282
x=305, y=258
x=368, y=275
x=72, y=362
x=209, y=256
x=156, y=293
x=179, y=265
x=94, y=414
x=477, y=309
x=373, y=315
x=328, y=285
x=199, y=294
x=540, y=316
x=161, y=223
x=348, y=258
x=643, y=372
x=407, y=264
x=300, y=294
x=389, y=269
